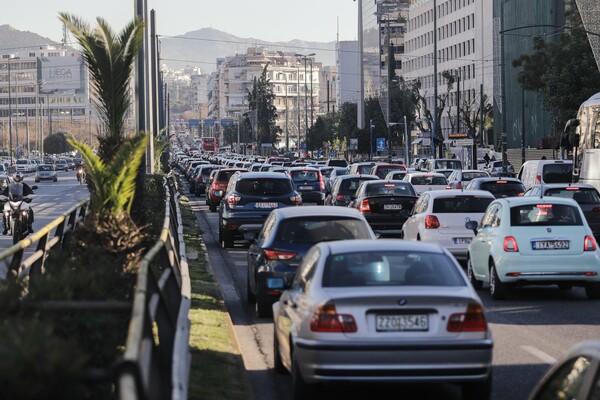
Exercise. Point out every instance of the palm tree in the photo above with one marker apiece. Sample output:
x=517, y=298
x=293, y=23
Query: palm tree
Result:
x=110, y=59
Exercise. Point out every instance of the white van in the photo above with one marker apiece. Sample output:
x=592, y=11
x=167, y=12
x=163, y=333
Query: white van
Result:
x=590, y=168
x=534, y=172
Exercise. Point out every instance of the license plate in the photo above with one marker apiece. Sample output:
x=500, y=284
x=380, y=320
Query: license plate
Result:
x=266, y=205
x=306, y=188
x=550, y=244
x=391, y=323
x=392, y=207
x=461, y=240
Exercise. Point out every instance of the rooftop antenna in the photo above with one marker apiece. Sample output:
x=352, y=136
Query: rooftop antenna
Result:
x=338, y=29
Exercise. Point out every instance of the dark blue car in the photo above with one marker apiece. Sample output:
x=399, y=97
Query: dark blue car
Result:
x=309, y=183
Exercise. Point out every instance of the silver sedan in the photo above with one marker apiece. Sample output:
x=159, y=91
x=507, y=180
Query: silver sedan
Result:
x=382, y=311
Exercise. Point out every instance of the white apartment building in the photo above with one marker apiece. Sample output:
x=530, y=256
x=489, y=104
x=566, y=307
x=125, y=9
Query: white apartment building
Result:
x=295, y=84
x=464, y=48
x=43, y=90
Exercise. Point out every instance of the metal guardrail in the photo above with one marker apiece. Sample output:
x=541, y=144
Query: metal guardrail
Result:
x=64, y=226
x=157, y=358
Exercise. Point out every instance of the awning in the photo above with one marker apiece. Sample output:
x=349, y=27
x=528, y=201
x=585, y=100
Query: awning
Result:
x=417, y=141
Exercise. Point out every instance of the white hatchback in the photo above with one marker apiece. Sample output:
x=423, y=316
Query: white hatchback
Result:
x=439, y=217
x=425, y=181
x=532, y=240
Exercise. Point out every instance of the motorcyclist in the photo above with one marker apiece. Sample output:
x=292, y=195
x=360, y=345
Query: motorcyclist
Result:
x=17, y=180
x=81, y=173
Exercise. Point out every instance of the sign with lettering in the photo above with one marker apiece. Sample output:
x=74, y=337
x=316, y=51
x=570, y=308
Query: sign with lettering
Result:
x=60, y=73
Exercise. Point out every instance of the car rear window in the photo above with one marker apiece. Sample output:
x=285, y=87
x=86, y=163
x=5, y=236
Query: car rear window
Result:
x=264, y=186
x=383, y=171
x=352, y=183
x=305, y=176
x=320, y=229
x=429, y=180
x=545, y=215
x=503, y=188
x=390, y=189
x=580, y=195
x=206, y=171
x=390, y=268
x=337, y=163
x=468, y=176
x=224, y=175
x=557, y=173
x=461, y=204
x=448, y=164
x=364, y=169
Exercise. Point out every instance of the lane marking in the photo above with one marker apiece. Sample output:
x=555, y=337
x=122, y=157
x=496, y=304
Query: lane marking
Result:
x=58, y=198
x=547, y=358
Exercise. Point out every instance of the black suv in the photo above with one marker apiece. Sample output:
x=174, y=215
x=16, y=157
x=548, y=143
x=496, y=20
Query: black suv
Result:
x=249, y=199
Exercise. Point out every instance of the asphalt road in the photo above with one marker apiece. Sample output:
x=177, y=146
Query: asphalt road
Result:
x=531, y=329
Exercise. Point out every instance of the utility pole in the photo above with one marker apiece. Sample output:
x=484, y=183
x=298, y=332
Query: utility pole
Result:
x=10, y=150
x=305, y=57
x=435, y=79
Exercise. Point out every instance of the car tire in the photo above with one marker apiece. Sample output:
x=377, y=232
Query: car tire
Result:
x=478, y=285
x=592, y=290
x=278, y=366
x=212, y=207
x=264, y=308
x=498, y=289
x=37, y=180
x=300, y=389
x=226, y=239
x=477, y=390
x=250, y=297
x=55, y=179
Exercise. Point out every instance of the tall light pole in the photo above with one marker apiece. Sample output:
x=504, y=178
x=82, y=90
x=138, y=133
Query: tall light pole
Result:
x=10, y=151
x=371, y=126
x=305, y=57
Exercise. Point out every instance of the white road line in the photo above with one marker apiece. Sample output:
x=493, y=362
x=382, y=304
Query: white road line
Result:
x=58, y=198
x=539, y=354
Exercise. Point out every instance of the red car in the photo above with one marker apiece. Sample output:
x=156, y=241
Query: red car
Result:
x=217, y=186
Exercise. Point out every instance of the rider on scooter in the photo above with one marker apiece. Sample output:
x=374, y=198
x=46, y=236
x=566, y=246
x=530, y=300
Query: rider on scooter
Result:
x=17, y=180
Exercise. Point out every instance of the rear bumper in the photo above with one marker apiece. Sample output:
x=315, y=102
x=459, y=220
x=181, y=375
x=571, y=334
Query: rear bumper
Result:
x=448, y=361
x=312, y=197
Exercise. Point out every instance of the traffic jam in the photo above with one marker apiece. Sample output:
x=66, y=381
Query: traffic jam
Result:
x=365, y=267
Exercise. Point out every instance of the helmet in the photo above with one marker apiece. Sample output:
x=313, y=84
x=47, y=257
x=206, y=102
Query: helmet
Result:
x=18, y=177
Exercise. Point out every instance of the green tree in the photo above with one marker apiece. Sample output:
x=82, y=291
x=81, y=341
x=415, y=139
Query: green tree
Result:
x=564, y=72
x=260, y=102
x=56, y=144
x=324, y=131
x=110, y=59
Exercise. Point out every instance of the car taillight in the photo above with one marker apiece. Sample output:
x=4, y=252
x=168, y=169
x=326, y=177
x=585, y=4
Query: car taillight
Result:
x=326, y=319
x=459, y=185
x=473, y=320
x=273, y=255
x=296, y=200
x=510, y=244
x=596, y=209
x=340, y=197
x=364, y=206
x=233, y=199
x=432, y=222
x=589, y=243
x=321, y=183
x=538, y=179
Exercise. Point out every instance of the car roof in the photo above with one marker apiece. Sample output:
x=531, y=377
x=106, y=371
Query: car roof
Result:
x=304, y=168
x=521, y=201
x=365, y=245
x=495, y=178
x=262, y=174
x=438, y=174
x=320, y=211
x=354, y=176
x=459, y=192
x=563, y=185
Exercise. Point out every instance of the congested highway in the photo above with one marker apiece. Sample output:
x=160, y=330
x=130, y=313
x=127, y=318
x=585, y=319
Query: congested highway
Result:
x=532, y=328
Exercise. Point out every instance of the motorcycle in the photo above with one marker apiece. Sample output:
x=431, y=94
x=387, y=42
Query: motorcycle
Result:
x=80, y=175
x=16, y=212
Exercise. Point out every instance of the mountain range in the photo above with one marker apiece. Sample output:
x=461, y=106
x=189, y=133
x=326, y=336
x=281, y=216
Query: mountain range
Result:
x=199, y=48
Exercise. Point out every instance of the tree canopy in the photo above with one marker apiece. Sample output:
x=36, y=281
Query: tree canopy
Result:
x=264, y=113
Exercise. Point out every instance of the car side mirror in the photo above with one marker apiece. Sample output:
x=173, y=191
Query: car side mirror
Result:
x=472, y=225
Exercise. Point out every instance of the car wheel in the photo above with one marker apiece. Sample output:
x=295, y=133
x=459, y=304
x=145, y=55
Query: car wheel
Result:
x=498, y=289
x=212, y=207
x=55, y=179
x=226, y=239
x=264, y=308
x=477, y=390
x=277, y=363
x=37, y=180
x=592, y=290
x=250, y=297
x=300, y=389
x=476, y=284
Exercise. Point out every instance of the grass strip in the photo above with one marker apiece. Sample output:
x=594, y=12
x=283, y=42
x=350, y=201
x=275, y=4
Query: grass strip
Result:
x=217, y=370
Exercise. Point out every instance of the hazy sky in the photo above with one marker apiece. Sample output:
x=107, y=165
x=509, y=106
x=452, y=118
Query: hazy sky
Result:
x=272, y=20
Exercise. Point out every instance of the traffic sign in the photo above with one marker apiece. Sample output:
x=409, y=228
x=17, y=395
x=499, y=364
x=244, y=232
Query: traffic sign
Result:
x=226, y=122
x=353, y=145
x=380, y=144
x=462, y=142
x=209, y=122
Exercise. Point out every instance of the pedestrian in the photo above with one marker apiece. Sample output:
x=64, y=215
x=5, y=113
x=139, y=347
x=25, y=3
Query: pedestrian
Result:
x=486, y=157
x=543, y=157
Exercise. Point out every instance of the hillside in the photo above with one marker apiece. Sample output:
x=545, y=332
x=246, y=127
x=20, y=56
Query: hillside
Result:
x=201, y=48
x=12, y=40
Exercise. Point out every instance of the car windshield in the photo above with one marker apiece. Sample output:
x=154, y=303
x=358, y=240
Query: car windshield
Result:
x=580, y=195
x=319, y=229
x=545, y=214
x=264, y=186
x=461, y=204
x=22, y=162
x=557, y=173
x=503, y=188
x=390, y=189
x=390, y=268
x=428, y=180
x=45, y=168
x=305, y=176
x=468, y=176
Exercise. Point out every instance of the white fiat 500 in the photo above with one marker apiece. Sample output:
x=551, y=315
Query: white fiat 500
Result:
x=439, y=217
x=533, y=240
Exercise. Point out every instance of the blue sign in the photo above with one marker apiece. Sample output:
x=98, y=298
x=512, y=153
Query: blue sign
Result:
x=227, y=122
x=380, y=144
x=303, y=145
x=331, y=153
x=193, y=122
x=209, y=122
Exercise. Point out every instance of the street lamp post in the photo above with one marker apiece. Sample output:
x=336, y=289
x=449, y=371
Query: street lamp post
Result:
x=305, y=57
x=10, y=150
x=371, y=126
